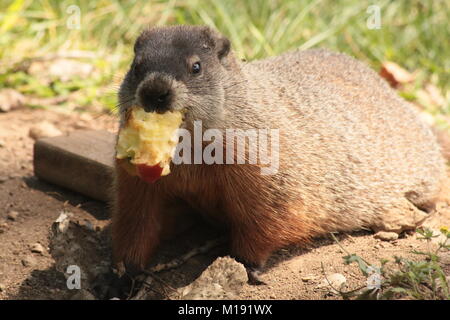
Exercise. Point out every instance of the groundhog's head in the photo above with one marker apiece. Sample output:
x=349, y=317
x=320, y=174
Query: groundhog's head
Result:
x=180, y=68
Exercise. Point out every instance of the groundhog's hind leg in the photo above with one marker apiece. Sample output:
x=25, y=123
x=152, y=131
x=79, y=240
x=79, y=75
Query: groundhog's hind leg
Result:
x=411, y=210
x=251, y=247
x=253, y=240
x=400, y=216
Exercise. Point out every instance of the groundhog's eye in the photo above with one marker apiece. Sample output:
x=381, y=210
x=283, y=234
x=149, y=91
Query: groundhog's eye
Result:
x=196, y=68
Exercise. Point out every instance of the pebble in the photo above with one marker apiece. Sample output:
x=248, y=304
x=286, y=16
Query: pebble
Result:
x=223, y=279
x=86, y=117
x=337, y=281
x=13, y=215
x=10, y=99
x=62, y=223
x=381, y=245
x=3, y=226
x=307, y=278
x=3, y=179
x=44, y=129
x=61, y=68
x=386, y=236
x=29, y=261
x=2, y=287
x=37, y=248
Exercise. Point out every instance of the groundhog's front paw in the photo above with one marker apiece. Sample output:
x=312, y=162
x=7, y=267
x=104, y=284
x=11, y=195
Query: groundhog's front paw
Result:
x=129, y=264
x=112, y=285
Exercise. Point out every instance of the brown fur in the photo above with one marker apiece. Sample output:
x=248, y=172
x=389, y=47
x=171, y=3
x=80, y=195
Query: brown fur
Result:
x=351, y=150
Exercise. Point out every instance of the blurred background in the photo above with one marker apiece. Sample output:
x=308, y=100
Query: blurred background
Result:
x=61, y=63
x=73, y=54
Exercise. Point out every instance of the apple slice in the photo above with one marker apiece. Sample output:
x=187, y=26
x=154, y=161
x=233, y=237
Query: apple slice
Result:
x=149, y=173
x=147, y=142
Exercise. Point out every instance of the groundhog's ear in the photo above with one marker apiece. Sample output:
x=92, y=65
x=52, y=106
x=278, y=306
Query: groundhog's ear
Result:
x=222, y=46
x=219, y=42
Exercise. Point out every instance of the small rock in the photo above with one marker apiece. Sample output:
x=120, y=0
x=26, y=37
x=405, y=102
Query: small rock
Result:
x=10, y=99
x=335, y=280
x=3, y=225
x=386, y=236
x=29, y=261
x=66, y=69
x=80, y=125
x=86, y=117
x=307, y=278
x=61, y=224
x=83, y=295
x=61, y=68
x=44, y=129
x=37, y=248
x=2, y=287
x=382, y=245
x=223, y=279
x=3, y=179
x=13, y=215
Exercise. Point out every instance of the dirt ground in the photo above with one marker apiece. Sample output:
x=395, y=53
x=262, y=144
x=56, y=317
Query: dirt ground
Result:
x=29, y=206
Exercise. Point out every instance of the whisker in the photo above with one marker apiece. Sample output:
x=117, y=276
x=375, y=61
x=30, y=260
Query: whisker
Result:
x=117, y=106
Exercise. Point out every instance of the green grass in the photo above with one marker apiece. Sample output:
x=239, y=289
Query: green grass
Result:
x=421, y=278
x=414, y=34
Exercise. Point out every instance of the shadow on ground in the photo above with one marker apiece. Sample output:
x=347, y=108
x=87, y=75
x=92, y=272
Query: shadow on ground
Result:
x=91, y=247
x=97, y=209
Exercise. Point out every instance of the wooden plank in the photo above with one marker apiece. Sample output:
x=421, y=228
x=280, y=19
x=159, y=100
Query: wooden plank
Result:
x=81, y=161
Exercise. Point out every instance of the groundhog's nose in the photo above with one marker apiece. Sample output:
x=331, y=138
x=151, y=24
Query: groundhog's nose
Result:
x=155, y=96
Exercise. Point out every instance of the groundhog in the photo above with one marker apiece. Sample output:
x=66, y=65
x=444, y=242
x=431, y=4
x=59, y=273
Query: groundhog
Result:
x=351, y=151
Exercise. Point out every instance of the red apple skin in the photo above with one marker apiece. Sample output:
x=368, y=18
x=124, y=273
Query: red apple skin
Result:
x=149, y=173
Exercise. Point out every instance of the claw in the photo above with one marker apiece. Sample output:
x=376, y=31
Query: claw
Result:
x=253, y=272
x=110, y=285
x=253, y=276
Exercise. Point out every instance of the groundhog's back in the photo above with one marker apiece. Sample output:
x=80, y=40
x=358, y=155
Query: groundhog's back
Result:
x=350, y=147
